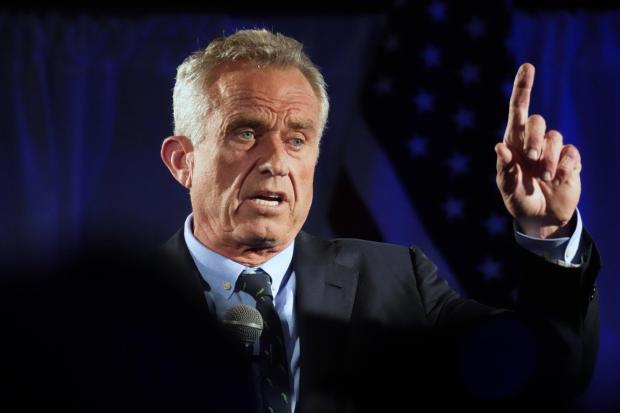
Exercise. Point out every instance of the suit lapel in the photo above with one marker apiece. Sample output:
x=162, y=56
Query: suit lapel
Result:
x=180, y=273
x=324, y=287
x=324, y=299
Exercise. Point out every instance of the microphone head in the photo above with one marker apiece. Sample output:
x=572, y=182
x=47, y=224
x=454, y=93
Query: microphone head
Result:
x=244, y=322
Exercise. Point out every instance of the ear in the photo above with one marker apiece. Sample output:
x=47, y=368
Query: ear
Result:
x=177, y=152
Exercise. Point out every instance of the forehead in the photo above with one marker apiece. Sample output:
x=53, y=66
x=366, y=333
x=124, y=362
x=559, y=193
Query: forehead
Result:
x=243, y=87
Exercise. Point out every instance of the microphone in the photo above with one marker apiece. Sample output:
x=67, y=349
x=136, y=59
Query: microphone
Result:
x=244, y=323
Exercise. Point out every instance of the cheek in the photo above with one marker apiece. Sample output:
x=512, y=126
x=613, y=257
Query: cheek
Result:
x=305, y=183
x=208, y=183
x=228, y=176
x=218, y=170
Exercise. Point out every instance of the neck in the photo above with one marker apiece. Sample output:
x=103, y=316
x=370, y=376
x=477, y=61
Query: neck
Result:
x=251, y=253
x=250, y=257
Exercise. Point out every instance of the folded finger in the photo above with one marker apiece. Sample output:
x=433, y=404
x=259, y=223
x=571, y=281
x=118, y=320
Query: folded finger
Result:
x=508, y=172
x=504, y=156
x=534, y=137
x=570, y=162
x=551, y=154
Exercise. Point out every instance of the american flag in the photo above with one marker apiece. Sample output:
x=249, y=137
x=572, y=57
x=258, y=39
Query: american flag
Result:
x=435, y=102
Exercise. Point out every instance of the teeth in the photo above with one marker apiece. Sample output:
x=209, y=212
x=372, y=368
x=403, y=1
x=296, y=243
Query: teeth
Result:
x=265, y=202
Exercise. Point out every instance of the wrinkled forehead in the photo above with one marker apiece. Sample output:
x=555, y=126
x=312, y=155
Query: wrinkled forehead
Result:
x=245, y=71
x=240, y=87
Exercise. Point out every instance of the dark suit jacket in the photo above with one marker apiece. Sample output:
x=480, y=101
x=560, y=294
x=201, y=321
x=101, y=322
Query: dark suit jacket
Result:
x=107, y=330
x=379, y=329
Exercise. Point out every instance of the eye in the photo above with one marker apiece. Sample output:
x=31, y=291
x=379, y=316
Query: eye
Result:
x=297, y=142
x=246, y=135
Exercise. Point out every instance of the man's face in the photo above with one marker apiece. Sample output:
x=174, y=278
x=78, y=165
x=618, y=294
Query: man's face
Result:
x=252, y=177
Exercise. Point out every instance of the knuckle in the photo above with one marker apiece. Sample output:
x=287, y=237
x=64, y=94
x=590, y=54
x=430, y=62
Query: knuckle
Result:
x=569, y=167
x=571, y=158
x=550, y=163
x=564, y=169
x=536, y=123
x=534, y=140
x=568, y=161
x=572, y=151
x=537, y=135
x=554, y=135
x=536, y=118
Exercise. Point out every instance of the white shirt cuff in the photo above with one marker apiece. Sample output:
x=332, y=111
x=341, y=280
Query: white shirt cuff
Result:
x=563, y=251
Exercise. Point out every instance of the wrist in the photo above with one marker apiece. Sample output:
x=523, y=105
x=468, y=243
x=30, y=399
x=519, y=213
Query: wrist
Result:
x=543, y=229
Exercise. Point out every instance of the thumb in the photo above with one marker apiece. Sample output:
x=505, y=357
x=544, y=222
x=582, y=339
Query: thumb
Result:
x=507, y=170
x=504, y=157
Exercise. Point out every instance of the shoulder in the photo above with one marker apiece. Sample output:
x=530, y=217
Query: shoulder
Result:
x=352, y=252
x=363, y=255
x=353, y=243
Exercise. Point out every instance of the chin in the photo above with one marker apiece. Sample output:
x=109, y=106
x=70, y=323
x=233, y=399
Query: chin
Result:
x=258, y=243
x=259, y=236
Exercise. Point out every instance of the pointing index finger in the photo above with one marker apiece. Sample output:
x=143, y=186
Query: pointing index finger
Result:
x=519, y=103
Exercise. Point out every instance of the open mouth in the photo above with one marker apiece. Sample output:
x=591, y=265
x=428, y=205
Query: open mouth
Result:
x=271, y=200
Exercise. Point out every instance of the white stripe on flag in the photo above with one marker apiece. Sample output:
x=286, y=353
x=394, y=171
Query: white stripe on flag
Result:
x=378, y=184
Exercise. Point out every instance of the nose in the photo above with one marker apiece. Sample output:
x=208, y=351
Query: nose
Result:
x=274, y=158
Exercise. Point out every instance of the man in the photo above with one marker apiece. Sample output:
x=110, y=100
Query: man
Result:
x=249, y=112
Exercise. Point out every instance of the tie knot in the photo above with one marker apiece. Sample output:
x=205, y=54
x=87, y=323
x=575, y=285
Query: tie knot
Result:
x=255, y=282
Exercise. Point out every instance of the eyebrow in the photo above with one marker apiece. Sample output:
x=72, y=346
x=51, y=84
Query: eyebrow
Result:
x=245, y=122
x=301, y=124
x=259, y=123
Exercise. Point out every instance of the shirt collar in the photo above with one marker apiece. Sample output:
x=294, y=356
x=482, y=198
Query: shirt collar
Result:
x=221, y=272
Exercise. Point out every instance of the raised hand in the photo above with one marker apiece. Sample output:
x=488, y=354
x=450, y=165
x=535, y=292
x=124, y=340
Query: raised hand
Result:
x=537, y=175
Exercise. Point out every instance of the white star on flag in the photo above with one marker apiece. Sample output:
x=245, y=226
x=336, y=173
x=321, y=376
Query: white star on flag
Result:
x=464, y=118
x=495, y=224
x=453, y=208
x=431, y=56
x=437, y=10
x=424, y=101
x=490, y=268
x=418, y=146
x=458, y=163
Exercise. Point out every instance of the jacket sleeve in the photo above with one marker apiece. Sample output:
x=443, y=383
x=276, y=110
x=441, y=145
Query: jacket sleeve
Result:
x=541, y=351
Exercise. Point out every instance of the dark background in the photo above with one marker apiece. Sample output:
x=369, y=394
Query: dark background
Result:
x=419, y=94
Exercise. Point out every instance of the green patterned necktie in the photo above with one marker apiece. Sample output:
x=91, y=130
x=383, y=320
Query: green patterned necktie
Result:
x=275, y=382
